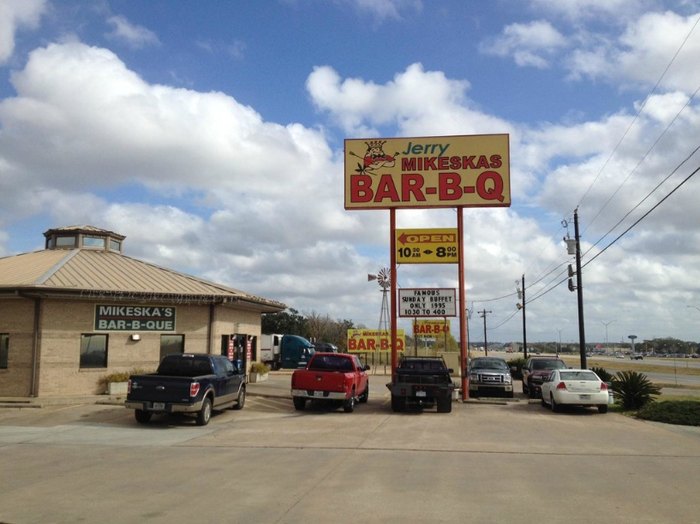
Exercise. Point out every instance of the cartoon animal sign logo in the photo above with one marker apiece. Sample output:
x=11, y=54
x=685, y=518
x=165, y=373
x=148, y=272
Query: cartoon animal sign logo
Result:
x=374, y=158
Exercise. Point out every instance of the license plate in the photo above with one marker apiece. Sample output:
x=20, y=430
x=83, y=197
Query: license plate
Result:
x=318, y=394
x=421, y=393
x=158, y=405
x=584, y=397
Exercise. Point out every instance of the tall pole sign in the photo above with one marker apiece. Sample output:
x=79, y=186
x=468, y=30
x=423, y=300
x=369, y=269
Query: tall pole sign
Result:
x=426, y=172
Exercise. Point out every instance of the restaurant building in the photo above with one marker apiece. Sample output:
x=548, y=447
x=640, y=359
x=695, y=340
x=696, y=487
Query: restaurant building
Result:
x=80, y=310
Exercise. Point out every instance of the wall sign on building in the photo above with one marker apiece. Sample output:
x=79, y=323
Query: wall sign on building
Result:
x=444, y=171
x=134, y=318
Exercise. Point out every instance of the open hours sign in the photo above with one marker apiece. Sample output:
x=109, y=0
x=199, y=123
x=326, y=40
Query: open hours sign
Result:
x=427, y=246
x=444, y=171
x=427, y=302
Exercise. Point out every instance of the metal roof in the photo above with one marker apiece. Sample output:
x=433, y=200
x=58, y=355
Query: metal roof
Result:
x=91, y=273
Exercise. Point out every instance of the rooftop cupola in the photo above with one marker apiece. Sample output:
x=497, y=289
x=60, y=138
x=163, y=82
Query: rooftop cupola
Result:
x=83, y=237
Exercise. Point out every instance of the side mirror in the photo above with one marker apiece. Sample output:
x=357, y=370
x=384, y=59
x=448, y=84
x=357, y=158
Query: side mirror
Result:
x=450, y=370
x=366, y=368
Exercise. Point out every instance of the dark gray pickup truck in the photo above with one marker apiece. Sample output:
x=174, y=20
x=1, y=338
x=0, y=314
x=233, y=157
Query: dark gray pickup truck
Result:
x=422, y=382
x=187, y=383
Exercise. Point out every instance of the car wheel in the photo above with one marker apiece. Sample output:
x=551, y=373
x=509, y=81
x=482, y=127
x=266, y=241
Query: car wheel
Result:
x=349, y=403
x=398, y=404
x=509, y=394
x=142, y=417
x=365, y=395
x=603, y=408
x=299, y=403
x=555, y=407
x=444, y=404
x=241, y=399
x=204, y=414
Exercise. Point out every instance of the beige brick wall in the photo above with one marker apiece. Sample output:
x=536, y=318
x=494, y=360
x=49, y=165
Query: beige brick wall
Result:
x=17, y=321
x=63, y=323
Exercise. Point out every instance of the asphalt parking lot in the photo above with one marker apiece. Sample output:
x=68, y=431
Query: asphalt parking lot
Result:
x=484, y=462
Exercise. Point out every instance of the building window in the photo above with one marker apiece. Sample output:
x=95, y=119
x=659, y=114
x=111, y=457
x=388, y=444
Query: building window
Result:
x=4, y=350
x=66, y=241
x=93, y=351
x=115, y=245
x=91, y=241
x=170, y=344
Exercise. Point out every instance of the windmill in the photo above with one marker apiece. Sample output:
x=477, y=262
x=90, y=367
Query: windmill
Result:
x=383, y=278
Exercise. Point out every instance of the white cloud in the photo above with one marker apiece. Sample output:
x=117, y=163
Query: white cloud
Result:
x=387, y=9
x=529, y=44
x=415, y=101
x=16, y=14
x=133, y=35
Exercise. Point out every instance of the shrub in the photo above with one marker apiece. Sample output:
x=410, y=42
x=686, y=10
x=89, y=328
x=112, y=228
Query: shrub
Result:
x=682, y=412
x=120, y=376
x=633, y=390
x=518, y=364
x=259, y=367
x=604, y=375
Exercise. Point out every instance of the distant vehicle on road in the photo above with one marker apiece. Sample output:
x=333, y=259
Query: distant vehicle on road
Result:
x=574, y=387
x=636, y=356
x=490, y=376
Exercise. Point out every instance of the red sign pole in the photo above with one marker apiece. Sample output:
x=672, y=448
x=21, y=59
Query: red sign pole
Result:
x=393, y=280
x=462, y=307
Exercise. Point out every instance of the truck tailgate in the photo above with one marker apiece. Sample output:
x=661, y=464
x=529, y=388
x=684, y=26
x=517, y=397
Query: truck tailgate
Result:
x=159, y=388
x=318, y=380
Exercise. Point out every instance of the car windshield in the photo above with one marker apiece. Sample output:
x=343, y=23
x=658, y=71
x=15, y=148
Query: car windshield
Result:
x=548, y=364
x=489, y=363
x=578, y=375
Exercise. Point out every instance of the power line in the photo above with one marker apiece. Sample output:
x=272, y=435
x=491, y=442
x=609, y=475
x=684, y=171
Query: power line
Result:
x=636, y=117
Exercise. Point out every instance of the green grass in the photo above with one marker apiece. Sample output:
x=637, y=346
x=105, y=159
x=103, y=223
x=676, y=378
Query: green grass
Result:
x=681, y=412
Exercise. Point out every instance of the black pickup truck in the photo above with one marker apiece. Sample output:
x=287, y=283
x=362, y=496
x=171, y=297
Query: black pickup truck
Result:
x=187, y=383
x=422, y=381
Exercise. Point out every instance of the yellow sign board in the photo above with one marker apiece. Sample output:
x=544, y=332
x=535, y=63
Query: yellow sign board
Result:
x=443, y=171
x=430, y=328
x=427, y=246
x=360, y=340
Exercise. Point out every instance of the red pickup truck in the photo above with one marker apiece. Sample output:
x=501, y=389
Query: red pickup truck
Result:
x=331, y=377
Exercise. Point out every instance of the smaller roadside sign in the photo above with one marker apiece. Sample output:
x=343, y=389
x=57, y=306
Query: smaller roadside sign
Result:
x=430, y=328
x=363, y=340
x=427, y=246
x=427, y=302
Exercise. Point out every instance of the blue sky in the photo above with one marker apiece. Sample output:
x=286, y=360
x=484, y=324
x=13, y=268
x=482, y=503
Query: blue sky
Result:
x=211, y=134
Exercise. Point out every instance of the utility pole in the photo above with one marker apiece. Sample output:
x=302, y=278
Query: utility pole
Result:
x=521, y=295
x=483, y=314
x=579, y=290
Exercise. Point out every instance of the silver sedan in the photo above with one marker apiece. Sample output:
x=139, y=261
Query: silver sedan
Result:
x=575, y=387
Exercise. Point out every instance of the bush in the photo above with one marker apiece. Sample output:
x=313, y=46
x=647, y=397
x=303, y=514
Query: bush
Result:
x=120, y=376
x=682, y=412
x=518, y=364
x=633, y=390
x=604, y=375
x=260, y=368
